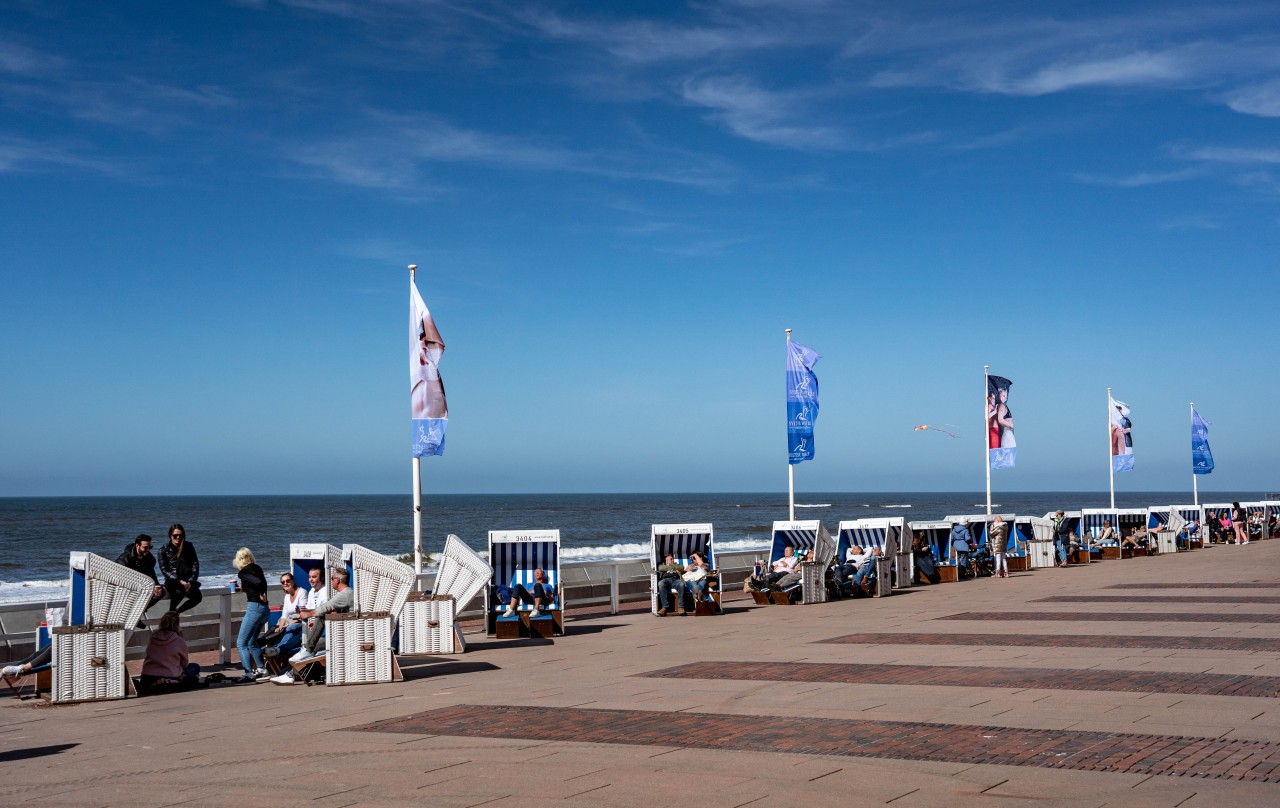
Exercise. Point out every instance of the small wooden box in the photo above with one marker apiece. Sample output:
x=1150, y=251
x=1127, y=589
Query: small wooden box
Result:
x=1018, y=563
x=948, y=573
x=544, y=627
x=780, y=598
x=508, y=628
x=704, y=607
x=1111, y=554
x=1080, y=556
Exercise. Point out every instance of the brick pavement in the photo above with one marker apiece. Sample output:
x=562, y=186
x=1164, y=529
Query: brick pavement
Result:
x=1196, y=585
x=949, y=743
x=1121, y=617
x=1135, y=641
x=1159, y=599
x=1200, y=684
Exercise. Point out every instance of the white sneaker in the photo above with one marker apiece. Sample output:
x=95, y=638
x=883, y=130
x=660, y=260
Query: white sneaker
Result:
x=302, y=654
x=510, y=612
x=285, y=678
x=12, y=670
x=261, y=673
x=533, y=615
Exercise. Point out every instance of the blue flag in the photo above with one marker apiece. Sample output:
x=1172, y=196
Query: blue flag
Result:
x=1201, y=457
x=802, y=401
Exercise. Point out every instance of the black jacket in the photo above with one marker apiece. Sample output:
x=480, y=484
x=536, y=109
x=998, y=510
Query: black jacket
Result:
x=184, y=566
x=145, y=564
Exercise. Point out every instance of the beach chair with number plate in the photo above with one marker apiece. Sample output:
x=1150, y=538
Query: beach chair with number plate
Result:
x=514, y=555
x=681, y=542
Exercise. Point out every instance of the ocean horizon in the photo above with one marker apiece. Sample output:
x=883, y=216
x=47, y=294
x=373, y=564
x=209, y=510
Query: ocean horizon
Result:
x=38, y=533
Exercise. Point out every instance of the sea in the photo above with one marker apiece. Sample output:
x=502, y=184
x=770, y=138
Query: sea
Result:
x=38, y=533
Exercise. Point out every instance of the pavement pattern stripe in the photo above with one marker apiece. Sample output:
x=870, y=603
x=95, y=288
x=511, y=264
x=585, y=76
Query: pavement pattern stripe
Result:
x=1184, y=684
x=1159, y=599
x=1209, y=758
x=1197, y=585
x=1270, y=644
x=1120, y=617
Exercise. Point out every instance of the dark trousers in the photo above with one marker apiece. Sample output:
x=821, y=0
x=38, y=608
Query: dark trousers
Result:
x=540, y=592
x=180, y=599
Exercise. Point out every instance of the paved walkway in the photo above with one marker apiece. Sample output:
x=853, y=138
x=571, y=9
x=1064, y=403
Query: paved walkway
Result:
x=913, y=700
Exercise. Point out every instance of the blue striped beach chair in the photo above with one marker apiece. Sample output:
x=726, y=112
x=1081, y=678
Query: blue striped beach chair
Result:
x=887, y=534
x=937, y=534
x=979, y=525
x=681, y=542
x=812, y=541
x=1271, y=514
x=514, y=555
x=1194, y=533
x=1091, y=527
x=1257, y=512
x=308, y=556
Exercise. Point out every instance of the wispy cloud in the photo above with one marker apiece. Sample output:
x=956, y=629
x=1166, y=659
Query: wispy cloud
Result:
x=1193, y=221
x=1241, y=155
x=1258, y=99
x=21, y=155
x=764, y=116
x=1140, y=179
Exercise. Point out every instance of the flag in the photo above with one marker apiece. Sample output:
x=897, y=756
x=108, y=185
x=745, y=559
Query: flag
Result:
x=802, y=401
x=1201, y=457
x=1002, y=447
x=1121, y=436
x=427, y=405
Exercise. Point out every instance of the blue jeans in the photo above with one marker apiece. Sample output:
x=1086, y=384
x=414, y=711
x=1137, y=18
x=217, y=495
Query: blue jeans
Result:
x=1064, y=546
x=291, y=641
x=255, y=617
x=665, y=587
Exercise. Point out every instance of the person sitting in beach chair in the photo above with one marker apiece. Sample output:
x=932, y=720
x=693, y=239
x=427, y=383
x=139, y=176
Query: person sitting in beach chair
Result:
x=1189, y=533
x=14, y=671
x=1138, y=539
x=670, y=586
x=285, y=639
x=540, y=594
x=695, y=578
x=341, y=599
x=859, y=568
x=1107, y=535
x=137, y=557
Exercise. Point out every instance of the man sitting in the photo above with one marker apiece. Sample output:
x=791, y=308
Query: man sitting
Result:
x=541, y=592
x=137, y=557
x=859, y=566
x=340, y=599
x=670, y=581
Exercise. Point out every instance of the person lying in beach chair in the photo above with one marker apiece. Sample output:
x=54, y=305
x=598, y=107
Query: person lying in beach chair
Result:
x=782, y=574
x=858, y=572
x=14, y=672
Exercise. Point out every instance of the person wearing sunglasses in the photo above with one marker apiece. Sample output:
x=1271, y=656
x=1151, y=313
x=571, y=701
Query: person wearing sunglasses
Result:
x=181, y=568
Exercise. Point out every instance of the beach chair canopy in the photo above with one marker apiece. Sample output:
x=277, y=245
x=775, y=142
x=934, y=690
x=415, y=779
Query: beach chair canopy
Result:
x=888, y=534
x=106, y=593
x=1176, y=522
x=938, y=534
x=1157, y=517
x=462, y=573
x=381, y=583
x=1041, y=528
x=1021, y=532
x=808, y=536
x=308, y=556
x=1072, y=517
x=681, y=542
x=515, y=554
x=979, y=523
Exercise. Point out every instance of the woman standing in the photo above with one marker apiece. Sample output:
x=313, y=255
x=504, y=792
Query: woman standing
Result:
x=999, y=537
x=1238, y=518
x=254, y=584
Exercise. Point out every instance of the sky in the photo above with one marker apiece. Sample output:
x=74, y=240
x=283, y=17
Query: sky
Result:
x=617, y=208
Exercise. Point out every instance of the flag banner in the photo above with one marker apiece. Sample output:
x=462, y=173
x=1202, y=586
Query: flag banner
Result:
x=1201, y=457
x=1002, y=448
x=802, y=401
x=427, y=405
x=1121, y=436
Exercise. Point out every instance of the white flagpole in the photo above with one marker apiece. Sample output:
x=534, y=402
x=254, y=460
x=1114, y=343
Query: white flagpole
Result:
x=791, y=469
x=417, y=486
x=1195, y=484
x=1111, y=463
x=986, y=431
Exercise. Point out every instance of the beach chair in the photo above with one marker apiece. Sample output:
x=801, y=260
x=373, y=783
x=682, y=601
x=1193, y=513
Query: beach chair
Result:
x=358, y=646
x=893, y=568
x=814, y=544
x=979, y=524
x=1079, y=550
x=1040, y=550
x=428, y=624
x=1195, y=531
x=681, y=542
x=1256, y=524
x=514, y=555
x=39, y=677
x=1021, y=536
x=1159, y=521
x=106, y=600
x=305, y=557
x=1091, y=526
x=1212, y=513
x=938, y=535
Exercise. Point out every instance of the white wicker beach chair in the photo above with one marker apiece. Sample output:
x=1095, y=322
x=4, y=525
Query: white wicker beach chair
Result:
x=428, y=624
x=88, y=664
x=358, y=644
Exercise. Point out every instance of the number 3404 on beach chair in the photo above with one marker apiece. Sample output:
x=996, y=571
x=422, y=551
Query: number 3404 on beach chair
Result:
x=516, y=602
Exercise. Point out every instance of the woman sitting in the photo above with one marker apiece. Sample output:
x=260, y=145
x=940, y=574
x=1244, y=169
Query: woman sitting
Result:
x=166, y=667
x=695, y=578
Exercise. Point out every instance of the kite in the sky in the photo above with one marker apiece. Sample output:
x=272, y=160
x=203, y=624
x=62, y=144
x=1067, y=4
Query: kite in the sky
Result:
x=924, y=427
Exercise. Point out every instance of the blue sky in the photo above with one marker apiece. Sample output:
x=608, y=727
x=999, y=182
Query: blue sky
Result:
x=617, y=209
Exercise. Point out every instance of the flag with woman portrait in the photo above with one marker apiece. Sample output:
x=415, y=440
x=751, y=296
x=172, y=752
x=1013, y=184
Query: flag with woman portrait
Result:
x=427, y=405
x=1002, y=447
x=1121, y=436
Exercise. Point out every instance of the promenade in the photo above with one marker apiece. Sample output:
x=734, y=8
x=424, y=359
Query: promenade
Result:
x=1143, y=682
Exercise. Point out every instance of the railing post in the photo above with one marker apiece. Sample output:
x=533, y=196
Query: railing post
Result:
x=613, y=590
x=224, y=628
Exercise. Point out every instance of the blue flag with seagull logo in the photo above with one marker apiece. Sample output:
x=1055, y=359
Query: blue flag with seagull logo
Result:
x=802, y=401
x=1201, y=457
